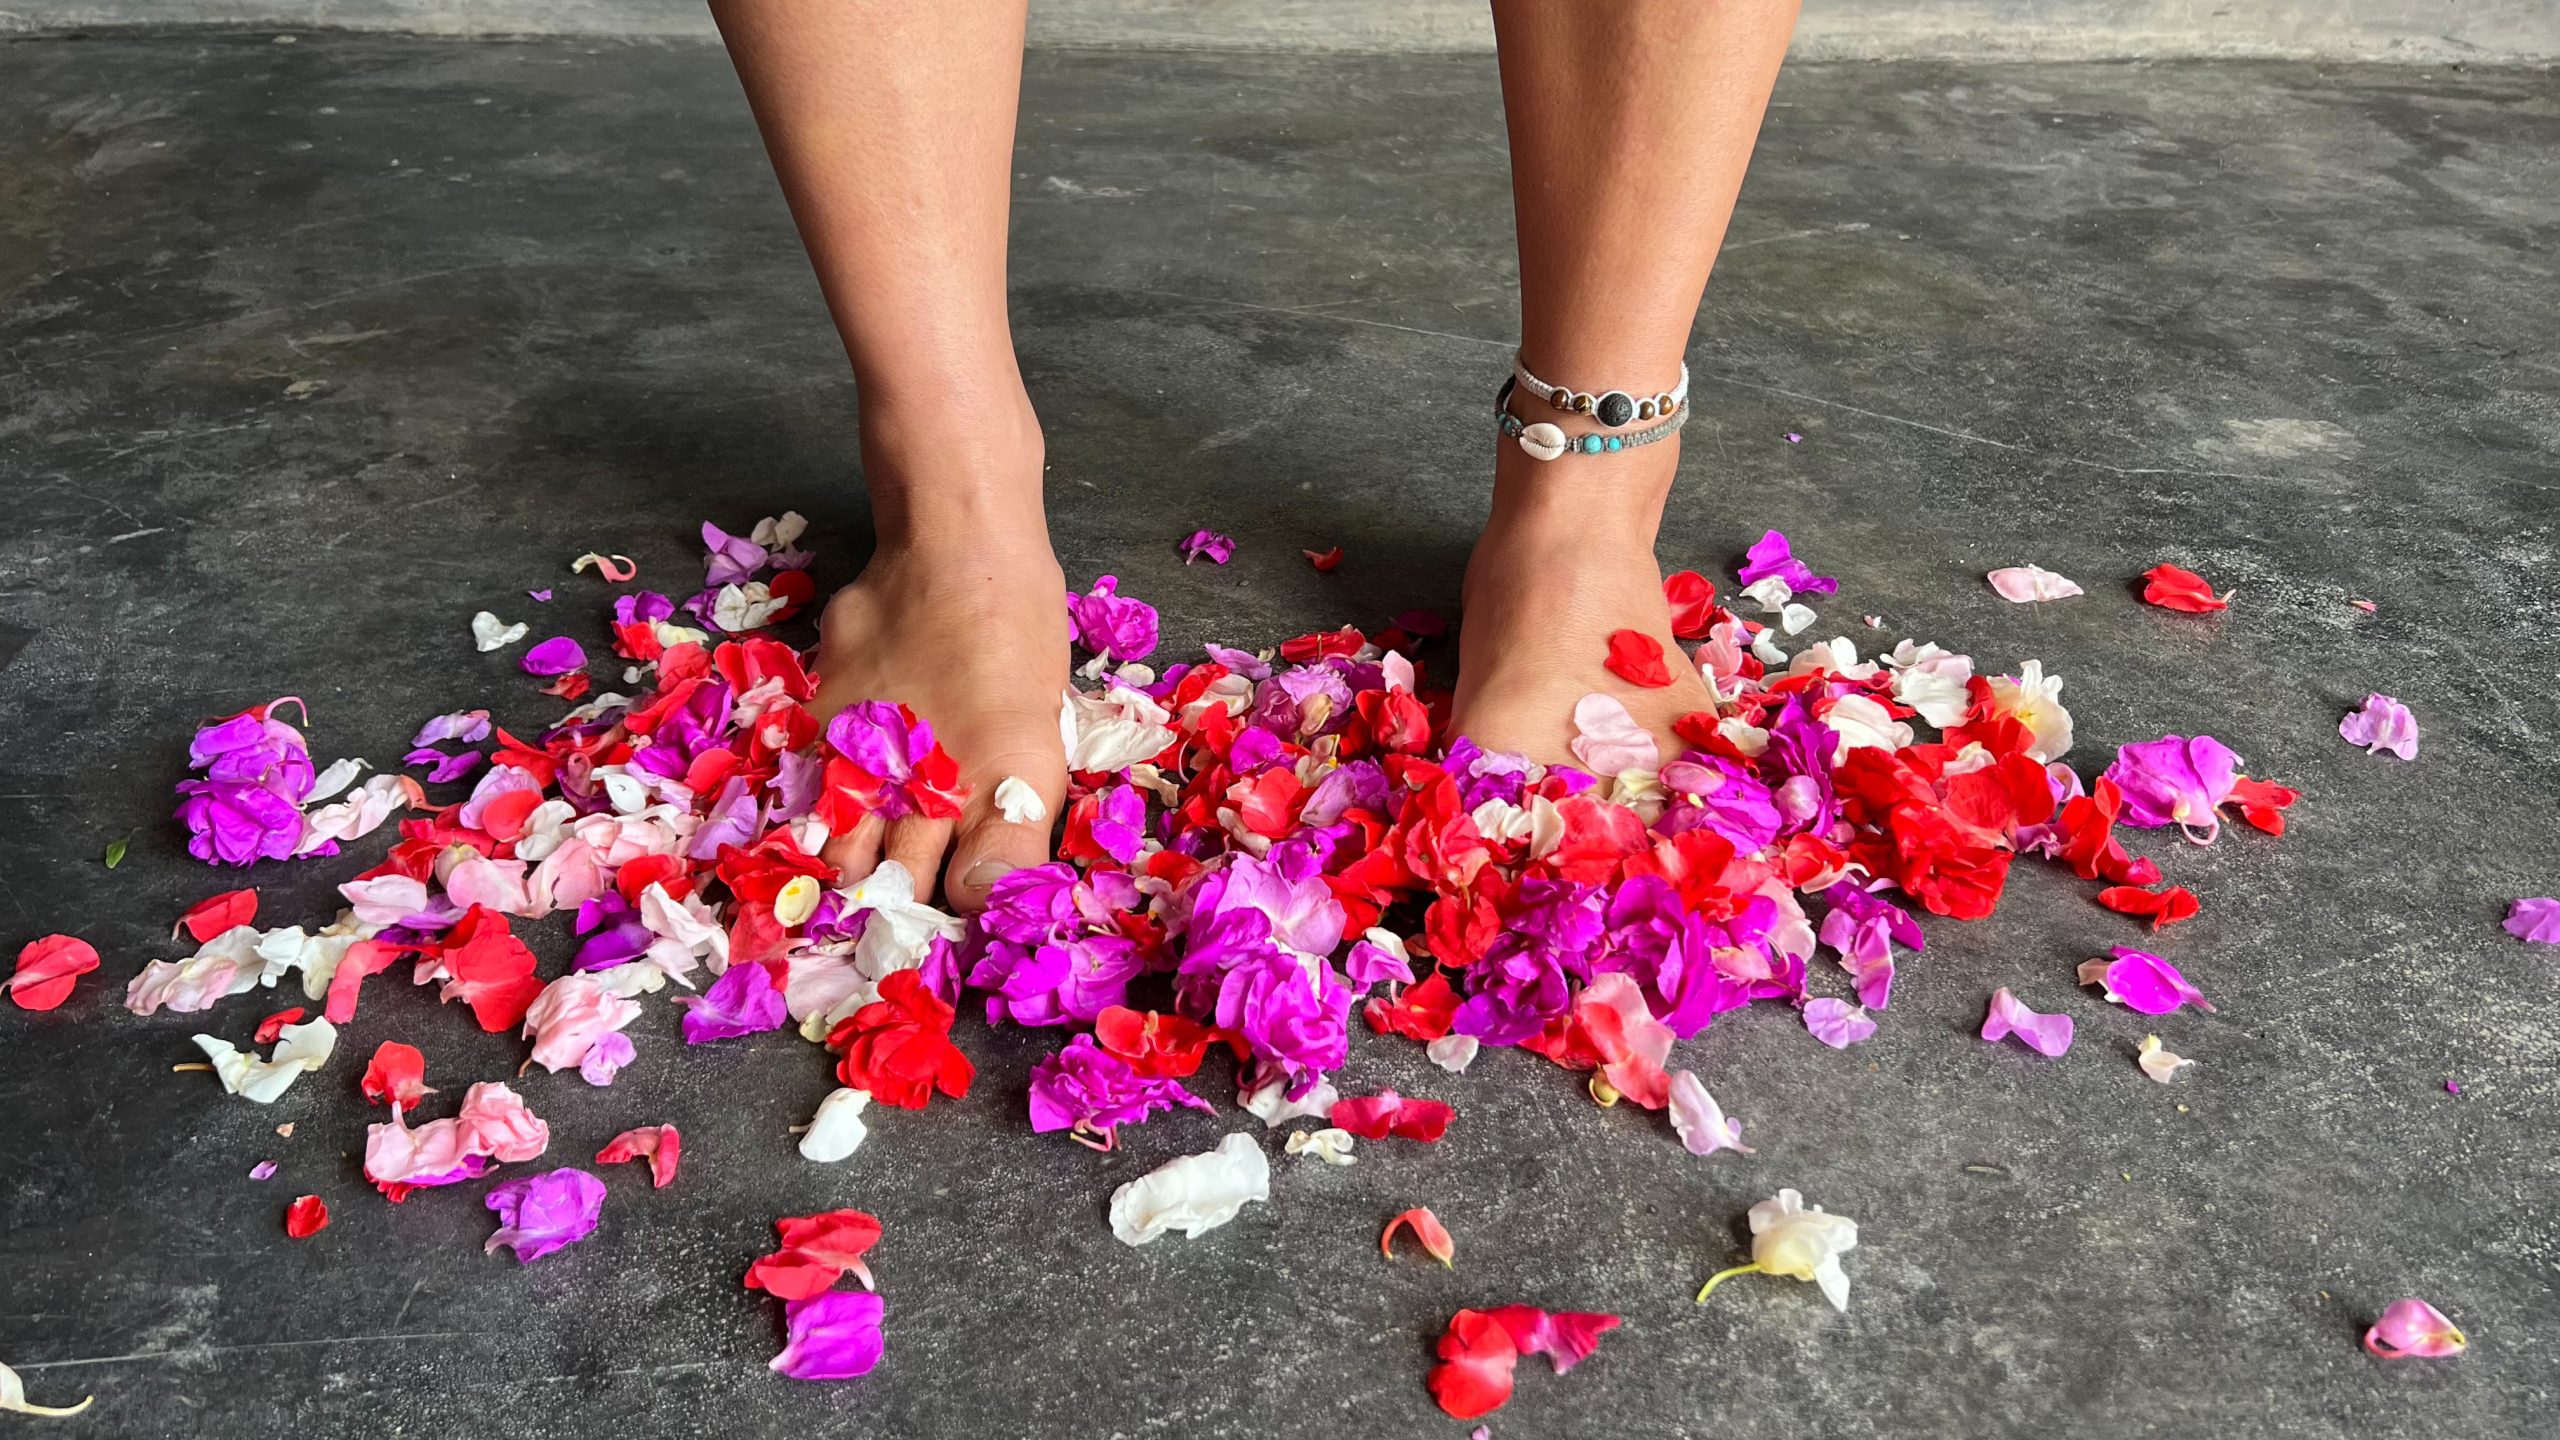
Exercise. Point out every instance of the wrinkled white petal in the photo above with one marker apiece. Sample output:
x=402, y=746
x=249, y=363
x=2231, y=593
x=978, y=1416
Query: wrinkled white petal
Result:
x=13, y=1398
x=2033, y=699
x=1272, y=1106
x=299, y=1048
x=1453, y=1053
x=740, y=608
x=2157, y=1062
x=358, y=815
x=1765, y=646
x=901, y=930
x=339, y=775
x=778, y=532
x=1771, y=592
x=1790, y=1238
x=1019, y=804
x=570, y=1015
x=1862, y=720
x=1793, y=618
x=1195, y=1194
x=1329, y=1145
x=1113, y=730
x=838, y=1130
x=1700, y=1122
x=491, y=633
x=227, y=964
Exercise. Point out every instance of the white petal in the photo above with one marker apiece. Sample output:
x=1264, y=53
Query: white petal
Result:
x=1195, y=1194
x=1272, y=1106
x=491, y=633
x=2157, y=1062
x=1453, y=1053
x=1019, y=804
x=838, y=1129
x=1331, y=1146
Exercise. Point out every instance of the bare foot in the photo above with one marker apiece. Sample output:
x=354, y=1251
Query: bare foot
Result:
x=1567, y=559
x=961, y=616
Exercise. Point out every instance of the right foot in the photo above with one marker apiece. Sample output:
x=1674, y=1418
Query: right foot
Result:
x=961, y=616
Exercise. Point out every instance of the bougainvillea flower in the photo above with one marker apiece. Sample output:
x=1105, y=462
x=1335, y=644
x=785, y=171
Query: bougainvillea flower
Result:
x=2171, y=588
x=2175, y=781
x=1608, y=739
x=2161, y=907
x=899, y=1046
x=2023, y=584
x=1837, y=1023
x=1700, y=1122
x=661, y=1145
x=743, y=1001
x=541, y=1214
x=2262, y=802
x=2156, y=1061
x=216, y=914
x=396, y=1075
x=1324, y=560
x=1770, y=555
x=1375, y=1117
x=2537, y=920
x=48, y=968
x=1636, y=658
x=1477, y=1356
x=816, y=1252
x=1194, y=1194
x=1088, y=1089
x=1111, y=624
x=2144, y=982
x=1427, y=1229
x=2380, y=724
x=556, y=656
x=1692, y=597
x=1208, y=545
x=2413, y=1329
x=307, y=1216
x=832, y=1336
x=2047, y=1035
x=1565, y=1337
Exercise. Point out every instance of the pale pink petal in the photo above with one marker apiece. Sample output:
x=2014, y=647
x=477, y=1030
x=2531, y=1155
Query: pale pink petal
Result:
x=1837, y=1023
x=2048, y=1035
x=1608, y=740
x=2025, y=583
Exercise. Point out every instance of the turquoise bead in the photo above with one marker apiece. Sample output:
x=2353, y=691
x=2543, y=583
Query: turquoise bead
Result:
x=1614, y=443
x=1591, y=444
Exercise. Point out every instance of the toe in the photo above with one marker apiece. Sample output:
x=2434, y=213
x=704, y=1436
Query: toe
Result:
x=919, y=844
x=856, y=852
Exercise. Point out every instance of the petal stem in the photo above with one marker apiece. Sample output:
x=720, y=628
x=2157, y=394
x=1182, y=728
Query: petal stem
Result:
x=1721, y=1276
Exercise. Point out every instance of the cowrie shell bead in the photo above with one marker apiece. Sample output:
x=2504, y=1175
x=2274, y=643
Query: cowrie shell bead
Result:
x=1543, y=441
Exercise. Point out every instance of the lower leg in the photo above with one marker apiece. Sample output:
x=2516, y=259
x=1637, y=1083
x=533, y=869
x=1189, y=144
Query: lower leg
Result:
x=890, y=125
x=1630, y=125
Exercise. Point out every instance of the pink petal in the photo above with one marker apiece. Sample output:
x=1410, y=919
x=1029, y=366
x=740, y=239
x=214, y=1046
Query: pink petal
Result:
x=2537, y=920
x=2047, y=1035
x=1608, y=740
x=2142, y=981
x=2025, y=583
x=1837, y=1023
x=2413, y=1328
x=2380, y=724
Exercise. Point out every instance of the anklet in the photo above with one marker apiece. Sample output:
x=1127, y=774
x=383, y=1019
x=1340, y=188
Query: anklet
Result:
x=1612, y=408
x=1543, y=441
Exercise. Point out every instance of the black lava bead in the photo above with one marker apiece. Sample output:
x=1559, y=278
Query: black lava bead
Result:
x=1616, y=408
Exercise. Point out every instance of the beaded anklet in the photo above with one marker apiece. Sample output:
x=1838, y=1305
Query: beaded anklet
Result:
x=1543, y=441
x=1612, y=408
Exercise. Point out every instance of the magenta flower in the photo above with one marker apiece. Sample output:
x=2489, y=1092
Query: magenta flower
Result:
x=1837, y=1023
x=2537, y=920
x=1208, y=545
x=2175, y=781
x=236, y=823
x=556, y=656
x=1087, y=1088
x=1109, y=623
x=2414, y=1329
x=2380, y=724
x=2047, y=1035
x=1771, y=555
x=2142, y=981
x=538, y=1214
x=743, y=1001
x=832, y=1335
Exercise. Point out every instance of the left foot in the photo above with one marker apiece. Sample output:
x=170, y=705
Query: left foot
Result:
x=1565, y=560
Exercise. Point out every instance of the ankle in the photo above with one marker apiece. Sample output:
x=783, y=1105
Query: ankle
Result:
x=964, y=470
x=1583, y=500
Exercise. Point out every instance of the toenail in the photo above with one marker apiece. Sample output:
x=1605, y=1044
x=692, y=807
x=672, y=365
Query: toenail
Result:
x=985, y=874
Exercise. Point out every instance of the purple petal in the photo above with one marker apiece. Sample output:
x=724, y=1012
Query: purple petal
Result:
x=1111, y=624
x=2149, y=984
x=833, y=1335
x=2537, y=920
x=2382, y=723
x=556, y=656
x=468, y=726
x=542, y=1213
x=1208, y=545
x=2047, y=1035
x=1837, y=1023
x=743, y=1001
x=1771, y=555
x=606, y=1057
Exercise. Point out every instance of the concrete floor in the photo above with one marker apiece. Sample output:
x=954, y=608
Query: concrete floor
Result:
x=307, y=351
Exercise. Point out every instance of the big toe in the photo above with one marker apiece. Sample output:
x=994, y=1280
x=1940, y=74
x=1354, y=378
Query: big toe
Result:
x=993, y=843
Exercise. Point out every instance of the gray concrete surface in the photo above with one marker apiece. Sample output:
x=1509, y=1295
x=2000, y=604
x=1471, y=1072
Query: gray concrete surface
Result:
x=2287, y=324
x=2425, y=31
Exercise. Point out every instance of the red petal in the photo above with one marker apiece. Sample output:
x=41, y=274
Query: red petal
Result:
x=2165, y=907
x=1323, y=559
x=226, y=911
x=2171, y=588
x=1636, y=658
x=661, y=1145
x=1474, y=1376
x=273, y=1025
x=1693, y=603
x=816, y=1251
x=397, y=1075
x=48, y=968
x=306, y=1217
x=1427, y=1229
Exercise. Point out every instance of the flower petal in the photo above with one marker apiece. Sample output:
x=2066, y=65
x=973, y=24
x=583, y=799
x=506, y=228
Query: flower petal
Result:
x=1427, y=1229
